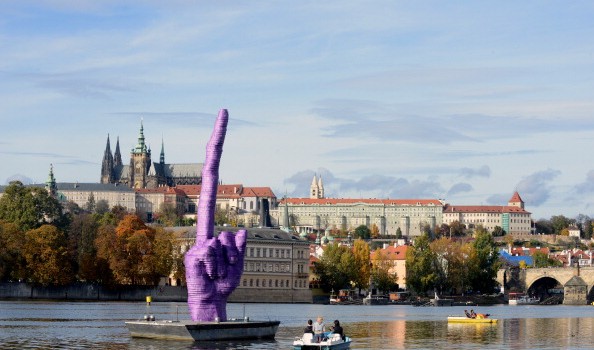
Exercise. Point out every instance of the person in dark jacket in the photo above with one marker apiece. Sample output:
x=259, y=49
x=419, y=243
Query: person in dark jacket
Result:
x=309, y=327
x=337, y=329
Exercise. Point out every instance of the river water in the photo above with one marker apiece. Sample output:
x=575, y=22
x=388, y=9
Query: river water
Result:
x=100, y=325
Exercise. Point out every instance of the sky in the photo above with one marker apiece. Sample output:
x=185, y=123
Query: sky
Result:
x=465, y=101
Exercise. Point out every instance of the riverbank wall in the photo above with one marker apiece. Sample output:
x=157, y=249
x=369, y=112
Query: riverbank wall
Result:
x=88, y=292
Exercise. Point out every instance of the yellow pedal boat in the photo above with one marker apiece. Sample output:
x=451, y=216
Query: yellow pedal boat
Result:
x=464, y=319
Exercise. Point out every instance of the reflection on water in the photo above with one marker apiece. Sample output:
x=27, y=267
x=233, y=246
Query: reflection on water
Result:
x=70, y=325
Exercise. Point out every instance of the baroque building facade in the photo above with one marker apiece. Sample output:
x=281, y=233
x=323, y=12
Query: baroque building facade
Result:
x=512, y=218
x=309, y=215
x=142, y=172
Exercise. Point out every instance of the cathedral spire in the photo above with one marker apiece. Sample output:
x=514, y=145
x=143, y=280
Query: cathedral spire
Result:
x=140, y=146
x=50, y=184
x=117, y=156
x=162, y=157
x=107, y=164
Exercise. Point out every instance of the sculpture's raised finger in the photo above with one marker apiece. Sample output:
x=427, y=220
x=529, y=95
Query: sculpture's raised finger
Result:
x=210, y=179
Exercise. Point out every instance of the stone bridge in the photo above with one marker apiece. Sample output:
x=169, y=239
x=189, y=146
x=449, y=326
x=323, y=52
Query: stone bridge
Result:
x=576, y=282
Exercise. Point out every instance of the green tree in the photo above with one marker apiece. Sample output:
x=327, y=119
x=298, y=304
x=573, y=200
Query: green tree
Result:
x=398, y=233
x=336, y=268
x=362, y=260
x=382, y=275
x=560, y=222
x=168, y=215
x=420, y=266
x=101, y=207
x=457, y=229
x=363, y=232
x=484, y=262
x=543, y=226
x=498, y=231
x=90, y=205
x=30, y=207
x=47, y=256
x=541, y=259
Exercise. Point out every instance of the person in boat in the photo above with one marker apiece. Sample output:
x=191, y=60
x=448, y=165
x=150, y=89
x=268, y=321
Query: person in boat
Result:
x=475, y=315
x=337, y=329
x=472, y=313
x=467, y=314
x=319, y=328
x=309, y=327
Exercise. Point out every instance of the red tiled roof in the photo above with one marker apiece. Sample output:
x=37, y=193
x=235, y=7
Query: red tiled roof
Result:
x=483, y=209
x=392, y=253
x=258, y=192
x=164, y=190
x=334, y=201
x=516, y=198
x=522, y=251
x=230, y=191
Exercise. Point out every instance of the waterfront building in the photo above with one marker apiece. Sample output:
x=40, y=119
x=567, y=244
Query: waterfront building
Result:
x=512, y=218
x=142, y=171
x=275, y=267
x=396, y=256
x=388, y=215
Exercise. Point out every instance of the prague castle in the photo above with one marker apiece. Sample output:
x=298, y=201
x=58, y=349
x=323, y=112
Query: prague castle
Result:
x=142, y=171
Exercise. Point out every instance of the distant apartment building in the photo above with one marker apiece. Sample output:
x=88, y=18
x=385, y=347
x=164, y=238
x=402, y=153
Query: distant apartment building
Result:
x=512, y=218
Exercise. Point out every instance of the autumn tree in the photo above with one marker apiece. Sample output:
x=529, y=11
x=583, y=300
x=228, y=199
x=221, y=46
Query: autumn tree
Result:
x=47, y=256
x=374, y=231
x=12, y=262
x=30, y=207
x=382, y=274
x=134, y=252
x=82, y=233
x=362, y=261
x=336, y=268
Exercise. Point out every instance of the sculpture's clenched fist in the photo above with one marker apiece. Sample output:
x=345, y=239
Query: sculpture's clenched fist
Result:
x=214, y=264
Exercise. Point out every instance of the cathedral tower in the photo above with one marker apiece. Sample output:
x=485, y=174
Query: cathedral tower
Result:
x=107, y=165
x=140, y=160
x=316, y=190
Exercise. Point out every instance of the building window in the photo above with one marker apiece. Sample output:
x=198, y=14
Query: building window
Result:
x=251, y=282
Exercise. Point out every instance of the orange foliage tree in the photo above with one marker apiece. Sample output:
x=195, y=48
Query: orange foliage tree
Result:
x=134, y=252
x=47, y=256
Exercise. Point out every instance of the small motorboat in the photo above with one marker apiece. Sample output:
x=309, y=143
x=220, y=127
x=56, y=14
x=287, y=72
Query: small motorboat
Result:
x=464, y=319
x=334, y=342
